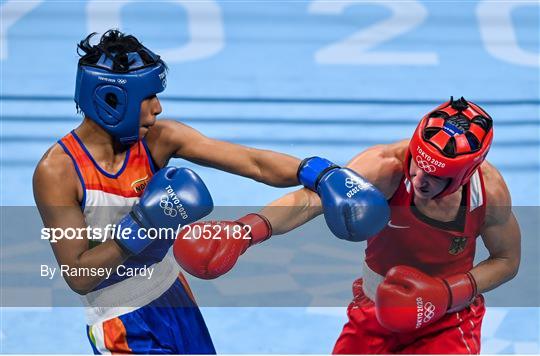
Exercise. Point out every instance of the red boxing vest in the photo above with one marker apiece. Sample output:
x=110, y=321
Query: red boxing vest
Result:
x=437, y=249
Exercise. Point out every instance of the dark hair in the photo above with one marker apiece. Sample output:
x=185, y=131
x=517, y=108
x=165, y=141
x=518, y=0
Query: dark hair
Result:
x=115, y=45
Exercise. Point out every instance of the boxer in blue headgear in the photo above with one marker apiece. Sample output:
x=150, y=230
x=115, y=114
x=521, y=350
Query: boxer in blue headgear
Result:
x=111, y=90
x=111, y=170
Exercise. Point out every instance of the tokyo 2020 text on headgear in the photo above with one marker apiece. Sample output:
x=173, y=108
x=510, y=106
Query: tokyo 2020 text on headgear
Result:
x=111, y=94
x=451, y=142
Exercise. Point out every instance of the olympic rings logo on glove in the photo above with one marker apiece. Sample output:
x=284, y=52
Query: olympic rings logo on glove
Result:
x=424, y=165
x=167, y=206
x=349, y=182
x=352, y=182
x=429, y=311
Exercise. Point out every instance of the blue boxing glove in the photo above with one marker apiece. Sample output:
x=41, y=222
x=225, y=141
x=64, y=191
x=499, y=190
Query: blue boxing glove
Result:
x=174, y=197
x=354, y=209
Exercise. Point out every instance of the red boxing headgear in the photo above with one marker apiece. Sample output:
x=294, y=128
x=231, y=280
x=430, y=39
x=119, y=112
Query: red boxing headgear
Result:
x=451, y=142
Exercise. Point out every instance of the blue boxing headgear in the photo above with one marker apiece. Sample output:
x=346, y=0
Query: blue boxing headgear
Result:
x=113, y=98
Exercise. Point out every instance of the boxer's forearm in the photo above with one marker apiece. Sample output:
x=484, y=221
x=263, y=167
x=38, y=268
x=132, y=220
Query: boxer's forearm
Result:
x=292, y=210
x=276, y=169
x=502, y=239
x=104, y=257
x=493, y=272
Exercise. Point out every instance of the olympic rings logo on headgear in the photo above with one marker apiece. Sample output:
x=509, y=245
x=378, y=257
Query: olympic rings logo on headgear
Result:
x=426, y=167
x=429, y=311
x=167, y=206
x=122, y=81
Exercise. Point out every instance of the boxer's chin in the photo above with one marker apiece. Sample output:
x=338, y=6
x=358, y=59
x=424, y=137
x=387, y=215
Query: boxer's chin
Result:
x=424, y=193
x=142, y=132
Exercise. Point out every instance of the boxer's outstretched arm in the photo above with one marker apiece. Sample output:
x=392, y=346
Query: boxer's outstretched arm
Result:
x=381, y=165
x=209, y=258
x=292, y=210
x=169, y=139
x=213, y=258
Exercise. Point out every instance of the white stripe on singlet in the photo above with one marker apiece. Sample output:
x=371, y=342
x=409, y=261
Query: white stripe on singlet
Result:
x=370, y=281
x=477, y=199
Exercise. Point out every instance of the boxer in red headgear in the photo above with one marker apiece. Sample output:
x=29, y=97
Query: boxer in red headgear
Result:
x=451, y=142
x=419, y=292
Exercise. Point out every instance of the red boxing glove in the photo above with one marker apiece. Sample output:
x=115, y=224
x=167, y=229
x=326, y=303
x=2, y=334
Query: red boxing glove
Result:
x=210, y=249
x=409, y=299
